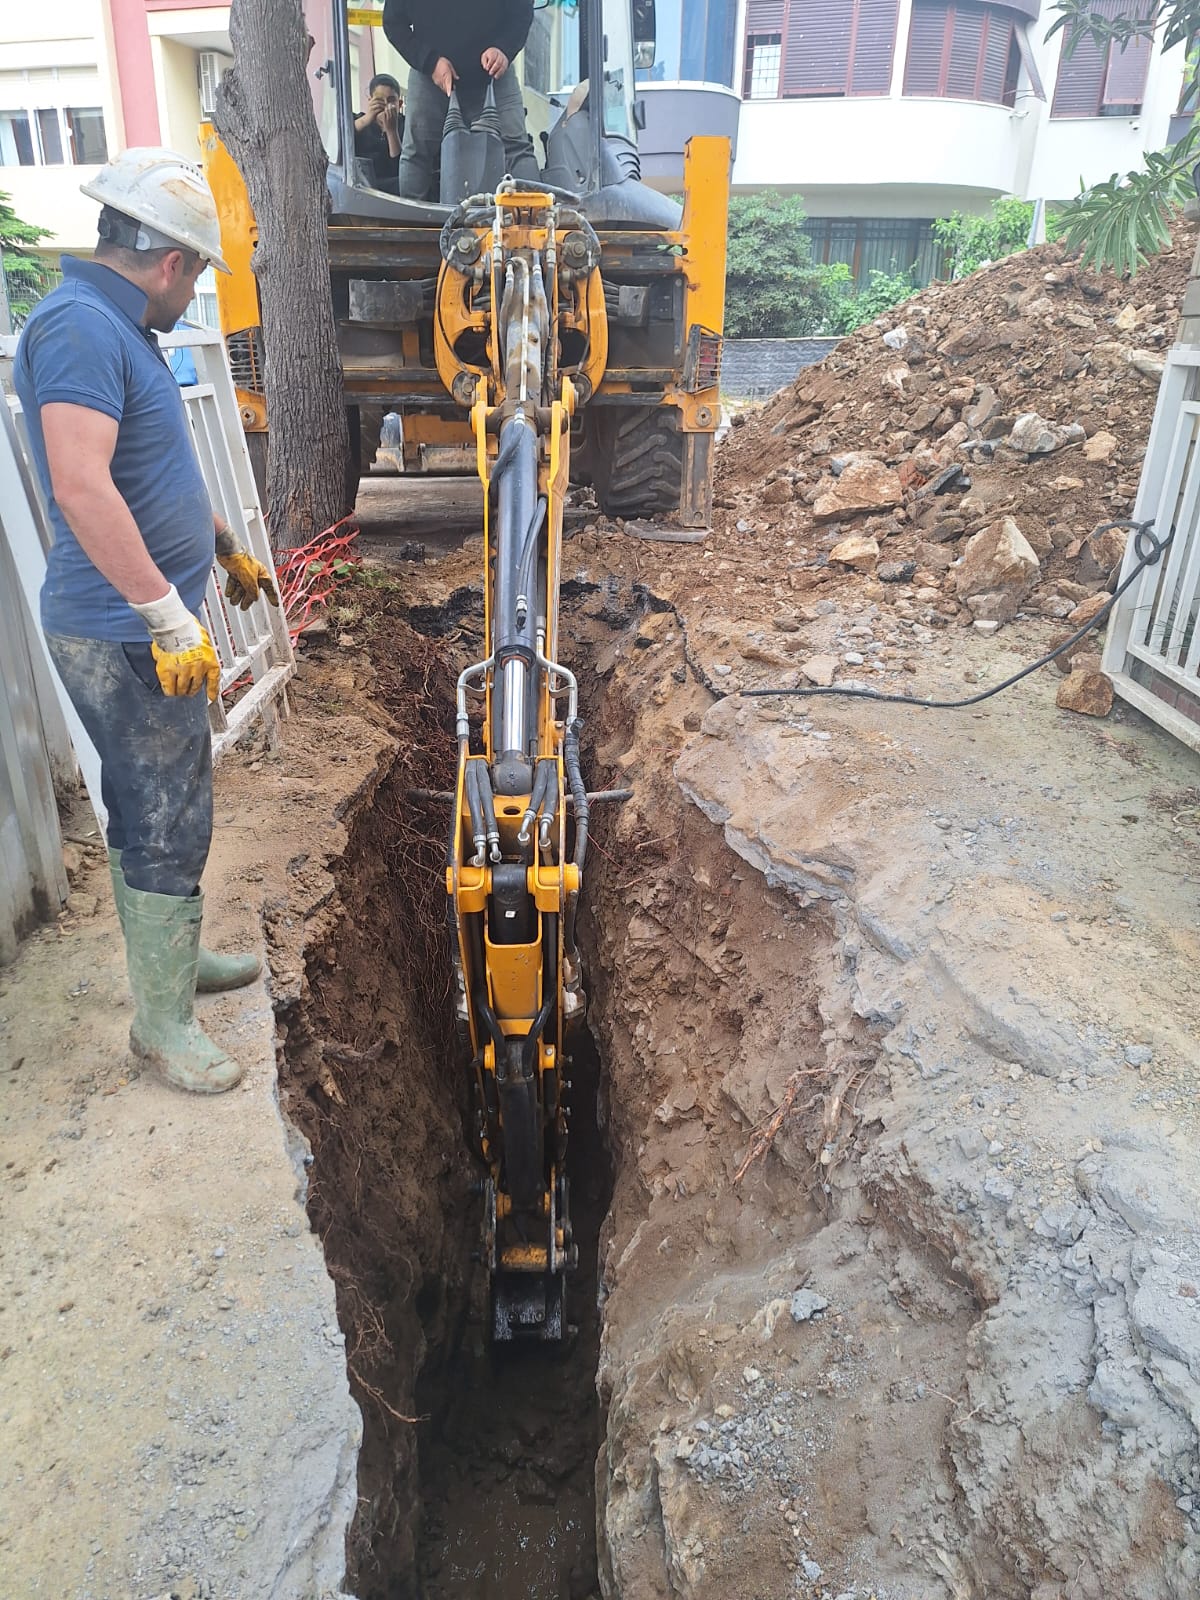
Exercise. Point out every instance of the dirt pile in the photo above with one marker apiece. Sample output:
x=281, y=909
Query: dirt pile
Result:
x=952, y=460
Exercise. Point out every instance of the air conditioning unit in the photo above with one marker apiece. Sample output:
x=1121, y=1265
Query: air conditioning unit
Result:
x=211, y=69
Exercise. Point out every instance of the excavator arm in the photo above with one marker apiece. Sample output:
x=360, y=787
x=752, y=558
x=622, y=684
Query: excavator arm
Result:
x=520, y=330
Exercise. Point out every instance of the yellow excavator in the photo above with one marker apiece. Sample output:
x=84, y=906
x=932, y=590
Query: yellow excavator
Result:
x=551, y=331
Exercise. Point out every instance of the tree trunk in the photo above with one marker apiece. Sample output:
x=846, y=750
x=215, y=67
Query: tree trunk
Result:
x=264, y=115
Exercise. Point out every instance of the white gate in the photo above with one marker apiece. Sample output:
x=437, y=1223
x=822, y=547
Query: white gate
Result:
x=1153, y=649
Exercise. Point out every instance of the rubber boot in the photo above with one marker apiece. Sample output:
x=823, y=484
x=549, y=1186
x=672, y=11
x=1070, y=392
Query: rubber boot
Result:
x=162, y=945
x=215, y=972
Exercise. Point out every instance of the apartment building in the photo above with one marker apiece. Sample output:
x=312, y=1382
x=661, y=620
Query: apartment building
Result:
x=885, y=114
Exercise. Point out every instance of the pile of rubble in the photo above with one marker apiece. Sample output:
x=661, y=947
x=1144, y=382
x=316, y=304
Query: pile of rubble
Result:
x=955, y=459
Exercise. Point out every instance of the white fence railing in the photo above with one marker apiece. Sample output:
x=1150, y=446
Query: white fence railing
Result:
x=252, y=644
x=1153, y=648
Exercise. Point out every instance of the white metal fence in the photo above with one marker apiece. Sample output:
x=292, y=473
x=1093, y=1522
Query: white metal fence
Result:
x=1153, y=648
x=253, y=646
x=33, y=741
x=41, y=738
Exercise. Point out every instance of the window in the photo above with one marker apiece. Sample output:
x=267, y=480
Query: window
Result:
x=764, y=56
x=1104, y=80
x=878, y=244
x=962, y=51
x=53, y=137
x=695, y=42
x=826, y=47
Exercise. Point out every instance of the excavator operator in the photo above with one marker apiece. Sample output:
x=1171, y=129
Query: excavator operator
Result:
x=459, y=46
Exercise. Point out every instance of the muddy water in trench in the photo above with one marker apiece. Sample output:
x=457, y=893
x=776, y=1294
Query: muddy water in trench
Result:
x=508, y=1480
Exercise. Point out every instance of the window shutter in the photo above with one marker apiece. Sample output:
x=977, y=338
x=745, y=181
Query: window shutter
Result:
x=1081, y=88
x=965, y=42
x=764, y=16
x=996, y=51
x=816, y=55
x=926, y=35
x=1125, y=80
x=874, y=47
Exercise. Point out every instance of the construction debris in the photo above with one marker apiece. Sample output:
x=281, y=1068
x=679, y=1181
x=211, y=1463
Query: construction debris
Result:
x=955, y=457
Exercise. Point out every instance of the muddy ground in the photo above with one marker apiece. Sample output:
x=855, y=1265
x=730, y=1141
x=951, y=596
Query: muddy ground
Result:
x=894, y=1012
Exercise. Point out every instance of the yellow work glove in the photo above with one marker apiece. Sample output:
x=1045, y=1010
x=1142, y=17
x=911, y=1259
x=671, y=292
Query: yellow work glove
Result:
x=248, y=579
x=184, y=658
x=185, y=671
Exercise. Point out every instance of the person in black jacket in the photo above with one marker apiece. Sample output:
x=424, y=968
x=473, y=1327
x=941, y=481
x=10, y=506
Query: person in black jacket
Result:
x=379, y=131
x=458, y=44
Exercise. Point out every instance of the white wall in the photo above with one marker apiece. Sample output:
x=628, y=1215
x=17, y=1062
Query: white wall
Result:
x=835, y=145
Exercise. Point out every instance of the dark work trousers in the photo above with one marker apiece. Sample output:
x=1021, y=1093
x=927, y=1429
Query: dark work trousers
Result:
x=425, y=113
x=155, y=760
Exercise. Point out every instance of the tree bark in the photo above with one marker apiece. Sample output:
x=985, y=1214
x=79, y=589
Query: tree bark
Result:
x=264, y=115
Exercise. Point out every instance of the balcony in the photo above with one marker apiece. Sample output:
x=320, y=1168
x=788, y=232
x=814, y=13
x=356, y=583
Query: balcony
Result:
x=827, y=146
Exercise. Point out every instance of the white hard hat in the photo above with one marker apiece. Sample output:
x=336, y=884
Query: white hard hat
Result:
x=167, y=194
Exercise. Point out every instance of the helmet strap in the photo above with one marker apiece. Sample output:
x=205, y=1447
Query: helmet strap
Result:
x=116, y=228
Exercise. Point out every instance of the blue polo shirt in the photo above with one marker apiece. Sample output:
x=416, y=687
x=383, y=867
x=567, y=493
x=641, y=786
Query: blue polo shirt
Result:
x=85, y=345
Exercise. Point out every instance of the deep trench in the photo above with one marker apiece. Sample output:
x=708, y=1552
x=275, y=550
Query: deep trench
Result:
x=477, y=1468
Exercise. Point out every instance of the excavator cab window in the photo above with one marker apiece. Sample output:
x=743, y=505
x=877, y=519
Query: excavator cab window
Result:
x=322, y=75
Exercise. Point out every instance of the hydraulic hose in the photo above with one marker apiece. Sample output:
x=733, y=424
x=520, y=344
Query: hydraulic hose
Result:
x=475, y=806
x=525, y=560
x=487, y=801
x=579, y=800
x=578, y=789
x=543, y=791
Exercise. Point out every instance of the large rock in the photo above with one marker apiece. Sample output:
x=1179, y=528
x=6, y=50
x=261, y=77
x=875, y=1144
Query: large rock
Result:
x=1100, y=447
x=857, y=551
x=1089, y=608
x=1090, y=693
x=968, y=340
x=1147, y=363
x=984, y=409
x=998, y=571
x=864, y=486
x=1107, y=548
x=820, y=670
x=1035, y=436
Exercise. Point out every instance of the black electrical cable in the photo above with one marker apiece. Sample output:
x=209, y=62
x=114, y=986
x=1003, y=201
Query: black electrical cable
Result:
x=1149, y=548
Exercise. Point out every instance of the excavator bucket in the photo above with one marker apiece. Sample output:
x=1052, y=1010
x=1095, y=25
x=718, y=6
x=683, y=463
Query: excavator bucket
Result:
x=472, y=157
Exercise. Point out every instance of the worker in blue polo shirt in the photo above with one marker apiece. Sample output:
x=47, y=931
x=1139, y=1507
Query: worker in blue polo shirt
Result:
x=134, y=540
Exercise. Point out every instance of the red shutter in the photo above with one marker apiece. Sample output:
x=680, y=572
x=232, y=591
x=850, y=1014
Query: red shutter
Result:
x=816, y=52
x=1080, y=83
x=1125, y=81
x=874, y=47
x=997, y=48
x=926, y=39
x=966, y=41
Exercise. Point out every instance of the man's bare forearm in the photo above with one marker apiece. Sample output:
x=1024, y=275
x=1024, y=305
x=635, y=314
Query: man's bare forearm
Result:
x=109, y=537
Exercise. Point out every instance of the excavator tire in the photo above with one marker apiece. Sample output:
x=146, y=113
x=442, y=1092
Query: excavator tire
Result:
x=636, y=460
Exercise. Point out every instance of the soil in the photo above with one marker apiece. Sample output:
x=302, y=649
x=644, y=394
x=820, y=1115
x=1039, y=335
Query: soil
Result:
x=893, y=1176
